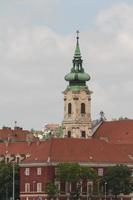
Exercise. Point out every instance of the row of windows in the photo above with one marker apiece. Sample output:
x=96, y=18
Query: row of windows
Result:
x=83, y=134
x=63, y=187
x=38, y=187
x=82, y=110
x=100, y=171
x=38, y=171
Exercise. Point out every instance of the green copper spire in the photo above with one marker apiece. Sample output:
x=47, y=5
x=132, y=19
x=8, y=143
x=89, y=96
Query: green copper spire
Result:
x=77, y=50
x=77, y=77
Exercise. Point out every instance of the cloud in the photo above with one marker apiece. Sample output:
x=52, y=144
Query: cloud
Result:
x=110, y=57
x=34, y=60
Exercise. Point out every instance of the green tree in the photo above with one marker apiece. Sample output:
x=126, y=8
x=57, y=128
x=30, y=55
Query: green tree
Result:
x=51, y=189
x=74, y=173
x=6, y=181
x=68, y=172
x=88, y=173
x=118, y=180
x=59, y=131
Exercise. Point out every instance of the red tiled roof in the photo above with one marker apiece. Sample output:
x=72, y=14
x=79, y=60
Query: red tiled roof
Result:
x=12, y=134
x=118, y=132
x=70, y=150
x=36, y=151
x=87, y=150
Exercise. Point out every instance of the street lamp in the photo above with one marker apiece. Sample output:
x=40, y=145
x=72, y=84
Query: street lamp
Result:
x=13, y=182
x=105, y=189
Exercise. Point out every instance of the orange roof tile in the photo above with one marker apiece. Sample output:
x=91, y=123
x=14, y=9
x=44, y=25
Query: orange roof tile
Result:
x=14, y=134
x=118, y=132
x=86, y=150
x=70, y=150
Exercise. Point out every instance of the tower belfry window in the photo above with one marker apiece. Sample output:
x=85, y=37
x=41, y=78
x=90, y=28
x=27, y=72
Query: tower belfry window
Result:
x=83, y=134
x=69, y=134
x=82, y=108
x=69, y=108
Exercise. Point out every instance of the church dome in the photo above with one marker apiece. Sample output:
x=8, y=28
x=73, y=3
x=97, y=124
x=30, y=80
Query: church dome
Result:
x=77, y=76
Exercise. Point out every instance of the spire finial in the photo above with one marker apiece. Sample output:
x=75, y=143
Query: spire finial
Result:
x=77, y=34
x=77, y=50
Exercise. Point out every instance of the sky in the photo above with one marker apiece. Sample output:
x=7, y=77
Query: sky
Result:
x=37, y=42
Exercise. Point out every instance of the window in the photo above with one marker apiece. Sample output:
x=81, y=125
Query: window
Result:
x=39, y=171
x=89, y=188
x=100, y=172
x=27, y=187
x=63, y=187
x=7, y=160
x=17, y=159
x=57, y=184
x=69, y=108
x=73, y=187
x=56, y=171
x=67, y=187
x=39, y=187
x=131, y=172
x=27, y=171
x=83, y=134
x=82, y=108
x=84, y=187
x=69, y=134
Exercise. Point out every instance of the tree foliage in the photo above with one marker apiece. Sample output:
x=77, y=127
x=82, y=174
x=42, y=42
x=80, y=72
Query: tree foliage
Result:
x=87, y=173
x=51, y=189
x=73, y=172
x=6, y=181
x=118, y=179
x=68, y=172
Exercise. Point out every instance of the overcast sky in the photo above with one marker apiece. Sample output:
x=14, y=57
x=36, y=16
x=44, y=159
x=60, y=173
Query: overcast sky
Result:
x=37, y=42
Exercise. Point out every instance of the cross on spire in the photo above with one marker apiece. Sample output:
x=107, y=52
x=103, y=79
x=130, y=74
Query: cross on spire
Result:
x=77, y=34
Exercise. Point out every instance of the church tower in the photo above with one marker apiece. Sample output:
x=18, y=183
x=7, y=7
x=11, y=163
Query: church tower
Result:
x=77, y=100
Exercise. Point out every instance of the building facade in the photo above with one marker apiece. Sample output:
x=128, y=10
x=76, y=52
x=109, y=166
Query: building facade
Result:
x=40, y=167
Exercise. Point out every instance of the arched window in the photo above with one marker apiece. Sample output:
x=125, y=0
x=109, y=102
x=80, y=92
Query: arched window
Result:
x=69, y=134
x=90, y=188
x=82, y=108
x=39, y=187
x=27, y=187
x=69, y=108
